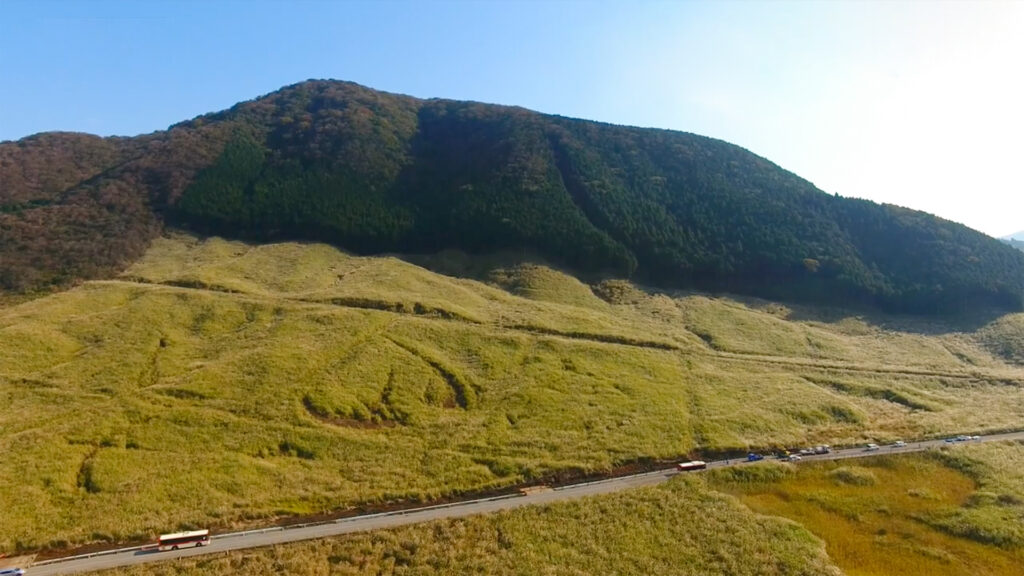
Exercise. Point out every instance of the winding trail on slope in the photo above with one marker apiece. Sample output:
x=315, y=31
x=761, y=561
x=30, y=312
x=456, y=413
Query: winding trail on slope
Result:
x=1007, y=376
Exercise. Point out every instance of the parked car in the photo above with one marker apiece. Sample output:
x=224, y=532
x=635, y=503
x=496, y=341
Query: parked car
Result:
x=871, y=447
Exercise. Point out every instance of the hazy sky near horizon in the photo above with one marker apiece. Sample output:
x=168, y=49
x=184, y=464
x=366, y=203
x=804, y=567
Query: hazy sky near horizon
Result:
x=919, y=104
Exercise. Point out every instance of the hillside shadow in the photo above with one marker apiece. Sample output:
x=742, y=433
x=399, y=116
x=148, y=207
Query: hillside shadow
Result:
x=923, y=325
x=459, y=264
x=483, y=268
x=831, y=314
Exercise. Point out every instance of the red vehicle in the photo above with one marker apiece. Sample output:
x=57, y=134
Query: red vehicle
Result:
x=183, y=540
x=692, y=465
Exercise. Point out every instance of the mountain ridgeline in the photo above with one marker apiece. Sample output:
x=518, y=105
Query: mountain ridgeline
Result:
x=376, y=172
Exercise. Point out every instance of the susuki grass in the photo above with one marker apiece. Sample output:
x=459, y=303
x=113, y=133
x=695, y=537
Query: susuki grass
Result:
x=221, y=384
x=677, y=529
x=1005, y=337
x=955, y=512
x=994, y=513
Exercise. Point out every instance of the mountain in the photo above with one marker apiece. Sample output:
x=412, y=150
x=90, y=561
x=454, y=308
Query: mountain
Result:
x=1018, y=244
x=377, y=172
x=1015, y=240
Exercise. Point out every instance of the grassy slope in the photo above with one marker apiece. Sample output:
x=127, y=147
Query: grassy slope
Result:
x=680, y=528
x=1006, y=337
x=219, y=383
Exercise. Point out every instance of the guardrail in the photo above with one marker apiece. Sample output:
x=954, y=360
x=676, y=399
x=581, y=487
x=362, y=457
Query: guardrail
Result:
x=90, y=555
x=614, y=479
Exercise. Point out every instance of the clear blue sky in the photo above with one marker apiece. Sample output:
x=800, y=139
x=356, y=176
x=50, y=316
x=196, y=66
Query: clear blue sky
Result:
x=917, y=104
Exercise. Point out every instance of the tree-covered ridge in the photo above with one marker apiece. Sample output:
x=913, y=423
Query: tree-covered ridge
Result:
x=56, y=209
x=76, y=206
x=377, y=172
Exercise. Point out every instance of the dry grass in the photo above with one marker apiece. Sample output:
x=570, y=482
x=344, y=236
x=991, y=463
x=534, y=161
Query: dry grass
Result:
x=1005, y=337
x=953, y=513
x=221, y=384
x=677, y=529
x=880, y=516
x=994, y=514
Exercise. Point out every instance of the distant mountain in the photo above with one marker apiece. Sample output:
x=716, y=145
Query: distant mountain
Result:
x=1015, y=240
x=377, y=172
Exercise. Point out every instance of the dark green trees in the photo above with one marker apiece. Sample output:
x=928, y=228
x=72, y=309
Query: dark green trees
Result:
x=374, y=172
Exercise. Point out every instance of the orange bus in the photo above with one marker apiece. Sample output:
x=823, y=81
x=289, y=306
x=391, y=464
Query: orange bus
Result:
x=183, y=539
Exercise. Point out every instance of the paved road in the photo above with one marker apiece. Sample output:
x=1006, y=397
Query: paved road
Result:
x=276, y=535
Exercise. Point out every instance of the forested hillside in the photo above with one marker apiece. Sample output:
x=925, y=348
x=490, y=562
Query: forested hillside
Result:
x=375, y=172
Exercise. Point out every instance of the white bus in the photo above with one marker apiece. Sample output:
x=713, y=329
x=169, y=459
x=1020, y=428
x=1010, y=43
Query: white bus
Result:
x=692, y=465
x=183, y=539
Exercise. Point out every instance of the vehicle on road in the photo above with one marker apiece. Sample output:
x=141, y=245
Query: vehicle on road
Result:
x=899, y=444
x=754, y=457
x=794, y=458
x=962, y=438
x=177, y=540
x=823, y=449
x=12, y=572
x=691, y=465
x=871, y=447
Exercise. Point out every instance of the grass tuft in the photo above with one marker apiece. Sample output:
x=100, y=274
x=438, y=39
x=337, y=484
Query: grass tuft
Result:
x=853, y=475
